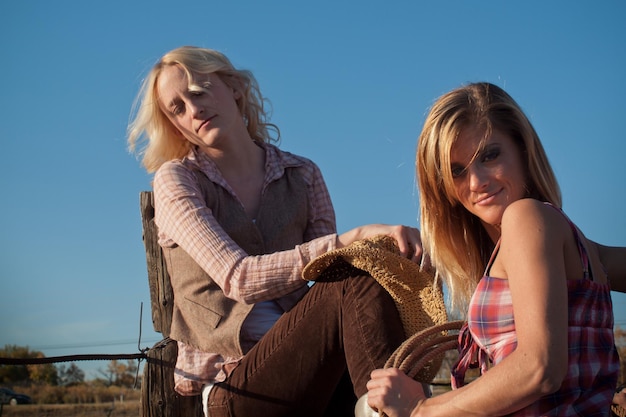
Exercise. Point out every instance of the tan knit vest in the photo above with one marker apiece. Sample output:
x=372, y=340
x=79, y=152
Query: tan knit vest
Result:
x=202, y=316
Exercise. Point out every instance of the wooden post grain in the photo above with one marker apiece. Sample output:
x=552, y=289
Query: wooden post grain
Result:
x=161, y=294
x=157, y=391
x=158, y=398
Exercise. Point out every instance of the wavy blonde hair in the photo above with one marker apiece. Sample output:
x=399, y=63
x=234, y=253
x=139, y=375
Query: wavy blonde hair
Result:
x=161, y=139
x=454, y=239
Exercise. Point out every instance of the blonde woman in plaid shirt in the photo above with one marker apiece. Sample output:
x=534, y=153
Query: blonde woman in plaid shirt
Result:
x=540, y=320
x=238, y=220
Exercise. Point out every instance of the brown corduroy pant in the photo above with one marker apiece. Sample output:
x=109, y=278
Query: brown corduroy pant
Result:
x=317, y=358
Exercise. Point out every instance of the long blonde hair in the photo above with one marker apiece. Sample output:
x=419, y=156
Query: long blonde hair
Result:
x=453, y=238
x=162, y=141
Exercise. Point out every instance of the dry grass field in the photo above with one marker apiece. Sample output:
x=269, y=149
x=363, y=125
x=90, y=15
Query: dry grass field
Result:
x=117, y=409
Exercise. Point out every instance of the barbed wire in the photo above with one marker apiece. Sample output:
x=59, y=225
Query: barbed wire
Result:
x=106, y=356
x=84, y=357
x=71, y=358
x=85, y=345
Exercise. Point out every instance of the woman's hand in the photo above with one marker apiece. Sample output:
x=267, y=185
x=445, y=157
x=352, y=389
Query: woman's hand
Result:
x=392, y=392
x=408, y=238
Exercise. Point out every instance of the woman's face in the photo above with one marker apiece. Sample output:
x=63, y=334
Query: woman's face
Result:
x=203, y=115
x=488, y=176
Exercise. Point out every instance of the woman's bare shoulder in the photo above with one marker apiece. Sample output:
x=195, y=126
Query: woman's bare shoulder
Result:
x=530, y=216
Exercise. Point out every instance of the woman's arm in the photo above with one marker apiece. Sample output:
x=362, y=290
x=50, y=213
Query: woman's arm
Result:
x=531, y=256
x=183, y=217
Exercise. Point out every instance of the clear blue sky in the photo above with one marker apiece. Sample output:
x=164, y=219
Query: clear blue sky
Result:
x=350, y=83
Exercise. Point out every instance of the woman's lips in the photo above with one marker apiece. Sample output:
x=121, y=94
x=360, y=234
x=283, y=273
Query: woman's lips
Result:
x=205, y=123
x=488, y=199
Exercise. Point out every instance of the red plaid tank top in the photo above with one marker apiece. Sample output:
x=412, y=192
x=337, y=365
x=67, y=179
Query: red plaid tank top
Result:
x=489, y=336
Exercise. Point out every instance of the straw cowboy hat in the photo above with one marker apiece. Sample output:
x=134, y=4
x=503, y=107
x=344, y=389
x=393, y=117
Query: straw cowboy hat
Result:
x=418, y=297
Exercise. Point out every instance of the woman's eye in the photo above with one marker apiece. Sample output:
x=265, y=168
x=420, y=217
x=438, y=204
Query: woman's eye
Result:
x=490, y=155
x=178, y=110
x=457, y=172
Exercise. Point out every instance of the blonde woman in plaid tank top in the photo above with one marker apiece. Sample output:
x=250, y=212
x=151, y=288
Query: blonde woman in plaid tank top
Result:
x=541, y=315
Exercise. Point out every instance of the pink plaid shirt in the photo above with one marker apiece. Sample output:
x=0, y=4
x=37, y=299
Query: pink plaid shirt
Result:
x=588, y=387
x=183, y=219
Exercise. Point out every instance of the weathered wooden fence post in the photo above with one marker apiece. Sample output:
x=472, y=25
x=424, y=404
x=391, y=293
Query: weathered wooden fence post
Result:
x=157, y=392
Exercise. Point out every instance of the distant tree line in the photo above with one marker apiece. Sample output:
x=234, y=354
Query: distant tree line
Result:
x=65, y=383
